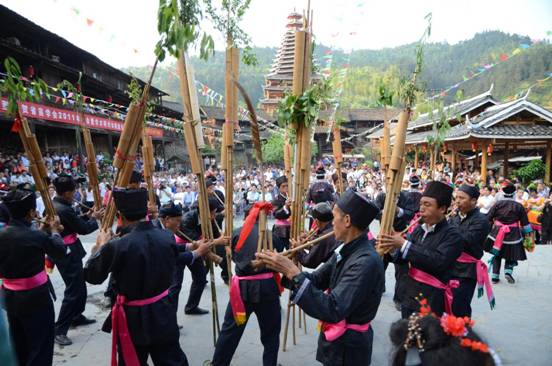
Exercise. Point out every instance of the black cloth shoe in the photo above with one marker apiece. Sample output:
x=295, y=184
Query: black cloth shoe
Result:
x=63, y=340
x=196, y=311
x=82, y=320
x=495, y=280
x=509, y=278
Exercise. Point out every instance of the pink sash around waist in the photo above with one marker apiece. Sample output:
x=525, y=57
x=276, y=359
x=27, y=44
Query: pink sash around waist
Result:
x=333, y=331
x=426, y=278
x=503, y=229
x=280, y=222
x=120, y=328
x=483, y=282
x=23, y=284
x=236, y=302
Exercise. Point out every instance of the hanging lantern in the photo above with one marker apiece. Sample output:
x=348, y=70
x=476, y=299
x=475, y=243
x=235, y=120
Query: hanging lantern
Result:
x=424, y=148
x=445, y=148
x=474, y=146
x=490, y=150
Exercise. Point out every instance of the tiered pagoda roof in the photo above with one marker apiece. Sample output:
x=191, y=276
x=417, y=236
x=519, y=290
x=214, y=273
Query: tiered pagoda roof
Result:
x=280, y=76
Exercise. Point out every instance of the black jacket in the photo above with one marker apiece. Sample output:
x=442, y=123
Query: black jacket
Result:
x=319, y=253
x=435, y=255
x=74, y=224
x=280, y=211
x=22, y=251
x=191, y=225
x=142, y=264
x=354, y=282
x=508, y=211
x=408, y=202
x=474, y=229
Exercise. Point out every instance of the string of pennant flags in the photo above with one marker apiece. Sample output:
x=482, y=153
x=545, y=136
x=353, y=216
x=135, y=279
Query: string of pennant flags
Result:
x=212, y=97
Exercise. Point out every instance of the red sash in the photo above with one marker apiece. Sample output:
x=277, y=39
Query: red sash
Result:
x=429, y=280
x=23, y=284
x=482, y=277
x=120, y=328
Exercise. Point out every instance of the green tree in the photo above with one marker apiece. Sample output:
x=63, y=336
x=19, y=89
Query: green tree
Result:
x=531, y=171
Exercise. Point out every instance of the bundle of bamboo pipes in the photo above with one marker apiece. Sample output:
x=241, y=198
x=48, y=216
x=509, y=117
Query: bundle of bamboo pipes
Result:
x=210, y=256
x=125, y=155
x=191, y=125
x=301, y=81
x=287, y=157
x=149, y=166
x=338, y=156
x=227, y=147
x=91, y=166
x=36, y=163
x=394, y=175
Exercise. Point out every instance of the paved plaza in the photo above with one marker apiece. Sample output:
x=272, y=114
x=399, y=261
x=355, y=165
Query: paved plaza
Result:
x=520, y=327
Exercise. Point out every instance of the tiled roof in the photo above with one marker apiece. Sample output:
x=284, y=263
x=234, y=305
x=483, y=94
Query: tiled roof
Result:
x=462, y=108
x=485, y=125
x=515, y=131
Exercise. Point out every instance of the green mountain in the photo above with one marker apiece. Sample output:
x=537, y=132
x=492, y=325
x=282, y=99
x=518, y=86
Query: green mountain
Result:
x=444, y=65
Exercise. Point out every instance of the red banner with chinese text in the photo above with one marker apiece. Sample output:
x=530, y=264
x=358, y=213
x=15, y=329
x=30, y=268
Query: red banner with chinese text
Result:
x=48, y=113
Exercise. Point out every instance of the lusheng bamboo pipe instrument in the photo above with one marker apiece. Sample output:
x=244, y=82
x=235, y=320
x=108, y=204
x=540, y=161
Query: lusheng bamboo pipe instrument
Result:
x=301, y=81
x=210, y=256
x=125, y=155
x=395, y=174
x=36, y=163
x=227, y=146
x=149, y=166
x=191, y=126
x=91, y=165
x=338, y=156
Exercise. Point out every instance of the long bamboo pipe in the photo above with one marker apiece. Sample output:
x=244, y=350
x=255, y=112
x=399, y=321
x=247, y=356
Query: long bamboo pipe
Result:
x=210, y=255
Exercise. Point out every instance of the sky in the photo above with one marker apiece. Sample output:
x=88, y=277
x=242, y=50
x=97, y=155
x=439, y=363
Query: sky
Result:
x=124, y=32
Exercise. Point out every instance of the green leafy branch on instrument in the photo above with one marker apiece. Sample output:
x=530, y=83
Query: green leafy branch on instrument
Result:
x=179, y=27
x=15, y=89
x=134, y=92
x=385, y=94
x=305, y=108
x=226, y=20
x=408, y=88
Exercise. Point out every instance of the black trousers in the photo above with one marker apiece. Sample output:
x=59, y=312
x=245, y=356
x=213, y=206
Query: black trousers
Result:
x=268, y=315
x=508, y=266
x=401, y=274
x=33, y=336
x=162, y=354
x=219, y=249
x=74, y=297
x=199, y=280
x=463, y=295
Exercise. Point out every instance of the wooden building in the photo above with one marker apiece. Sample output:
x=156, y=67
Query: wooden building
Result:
x=489, y=134
x=41, y=53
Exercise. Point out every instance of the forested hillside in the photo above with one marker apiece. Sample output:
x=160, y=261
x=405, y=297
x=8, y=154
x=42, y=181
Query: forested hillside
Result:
x=444, y=65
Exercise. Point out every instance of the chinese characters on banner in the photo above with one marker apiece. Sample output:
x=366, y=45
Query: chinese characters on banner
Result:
x=47, y=113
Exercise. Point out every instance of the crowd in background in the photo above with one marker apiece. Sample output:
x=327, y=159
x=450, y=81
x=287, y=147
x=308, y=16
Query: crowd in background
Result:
x=252, y=184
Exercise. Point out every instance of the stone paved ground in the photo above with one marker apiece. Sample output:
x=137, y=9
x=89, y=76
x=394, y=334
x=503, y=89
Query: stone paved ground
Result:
x=520, y=327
